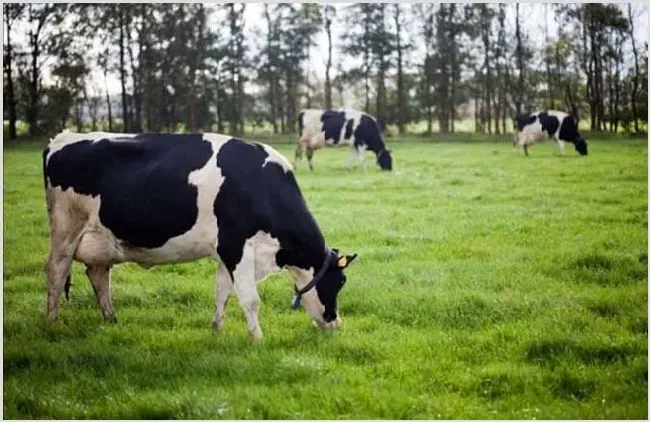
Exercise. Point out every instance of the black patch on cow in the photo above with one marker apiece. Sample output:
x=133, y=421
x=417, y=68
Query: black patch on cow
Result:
x=348, y=129
x=569, y=130
x=146, y=198
x=368, y=133
x=333, y=122
x=549, y=123
x=524, y=120
x=569, y=133
x=301, y=122
x=256, y=197
x=45, y=152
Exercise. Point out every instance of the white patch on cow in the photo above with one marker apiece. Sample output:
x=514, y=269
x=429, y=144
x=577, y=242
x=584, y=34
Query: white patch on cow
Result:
x=276, y=157
x=216, y=138
x=198, y=242
x=265, y=248
x=201, y=240
x=66, y=138
x=534, y=133
x=314, y=134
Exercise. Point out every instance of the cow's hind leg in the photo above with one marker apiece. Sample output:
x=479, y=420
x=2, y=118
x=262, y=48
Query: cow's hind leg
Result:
x=526, y=149
x=224, y=286
x=246, y=290
x=64, y=239
x=298, y=155
x=100, y=279
x=310, y=155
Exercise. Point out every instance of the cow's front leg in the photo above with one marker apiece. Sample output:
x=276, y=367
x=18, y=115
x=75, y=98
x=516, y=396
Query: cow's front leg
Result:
x=100, y=279
x=223, y=288
x=361, y=153
x=246, y=290
x=561, y=145
x=352, y=158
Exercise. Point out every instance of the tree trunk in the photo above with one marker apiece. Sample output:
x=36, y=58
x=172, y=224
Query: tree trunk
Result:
x=547, y=61
x=108, y=104
x=32, y=109
x=328, y=83
x=240, y=79
x=520, y=63
x=11, y=99
x=366, y=58
x=125, y=114
x=401, y=107
x=137, y=121
x=635, y=80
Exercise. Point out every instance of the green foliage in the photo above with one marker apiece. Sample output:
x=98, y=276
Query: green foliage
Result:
x=488, y=285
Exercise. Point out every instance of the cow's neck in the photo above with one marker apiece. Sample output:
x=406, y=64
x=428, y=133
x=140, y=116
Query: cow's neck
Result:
x=305, y=257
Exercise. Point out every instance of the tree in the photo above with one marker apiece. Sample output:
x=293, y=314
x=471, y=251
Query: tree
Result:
x=42, y=18
x=425, y=12
x=11, y=13
x=400, y=48
x=329, y=12
x=635, y=80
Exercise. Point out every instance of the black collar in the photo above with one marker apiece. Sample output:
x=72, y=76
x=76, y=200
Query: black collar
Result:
x=314, y=281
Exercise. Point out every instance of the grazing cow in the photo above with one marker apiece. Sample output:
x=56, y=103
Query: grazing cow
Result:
x=532, y=128
x=320, y=128
x=158, y=199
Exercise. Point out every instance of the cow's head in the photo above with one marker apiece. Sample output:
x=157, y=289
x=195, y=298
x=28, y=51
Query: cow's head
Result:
x=385, y=160
x=581, y=145
x=319, y=296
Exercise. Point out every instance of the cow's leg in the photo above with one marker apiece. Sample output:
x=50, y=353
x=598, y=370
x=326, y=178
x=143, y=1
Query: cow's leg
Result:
x=352, y=158
x=246, y=290
x=310, y=155
x=65, y=229
x=100, y=279
x=361, y=154
x=300, y=148
x=526, y=149
x=561, y=145
x=223, y=289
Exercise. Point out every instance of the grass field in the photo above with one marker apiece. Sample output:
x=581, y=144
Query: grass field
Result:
x=488, y=285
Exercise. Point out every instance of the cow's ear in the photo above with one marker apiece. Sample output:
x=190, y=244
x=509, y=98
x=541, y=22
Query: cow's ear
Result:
x=345, y=260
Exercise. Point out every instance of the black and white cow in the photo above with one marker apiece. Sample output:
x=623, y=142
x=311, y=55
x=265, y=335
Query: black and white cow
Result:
x=532, y=128
x=158, y=199
x=320, y=128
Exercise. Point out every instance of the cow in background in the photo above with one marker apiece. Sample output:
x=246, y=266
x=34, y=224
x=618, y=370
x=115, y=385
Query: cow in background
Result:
x=334, y=128
x=532, y=128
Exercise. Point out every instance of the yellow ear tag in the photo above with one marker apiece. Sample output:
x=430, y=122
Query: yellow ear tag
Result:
x=343, y=261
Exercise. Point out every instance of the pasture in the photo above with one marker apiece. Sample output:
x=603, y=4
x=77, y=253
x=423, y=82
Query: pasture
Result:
x=488, y=285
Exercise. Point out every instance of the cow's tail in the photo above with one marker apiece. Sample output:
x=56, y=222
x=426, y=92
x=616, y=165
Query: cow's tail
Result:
x=301, y=123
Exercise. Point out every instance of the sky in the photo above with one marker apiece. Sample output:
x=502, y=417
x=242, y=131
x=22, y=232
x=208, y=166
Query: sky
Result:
x=532, y=15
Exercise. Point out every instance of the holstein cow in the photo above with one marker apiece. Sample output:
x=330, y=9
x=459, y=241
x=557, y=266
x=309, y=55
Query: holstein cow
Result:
x=159, y=199
x=532, y=128
x=320, y=128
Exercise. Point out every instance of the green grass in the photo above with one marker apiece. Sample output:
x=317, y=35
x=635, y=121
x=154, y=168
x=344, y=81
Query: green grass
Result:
x=488, y=285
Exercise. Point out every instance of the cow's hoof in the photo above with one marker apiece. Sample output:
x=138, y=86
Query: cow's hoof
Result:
x=110, y=319
x=256, y=336
x=217, y=325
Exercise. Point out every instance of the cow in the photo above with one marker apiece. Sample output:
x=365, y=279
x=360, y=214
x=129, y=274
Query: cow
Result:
x=156, y=199
x=532, y=128
x=334, y=128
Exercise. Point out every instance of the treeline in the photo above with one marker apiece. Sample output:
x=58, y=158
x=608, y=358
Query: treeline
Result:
x=203, y=67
